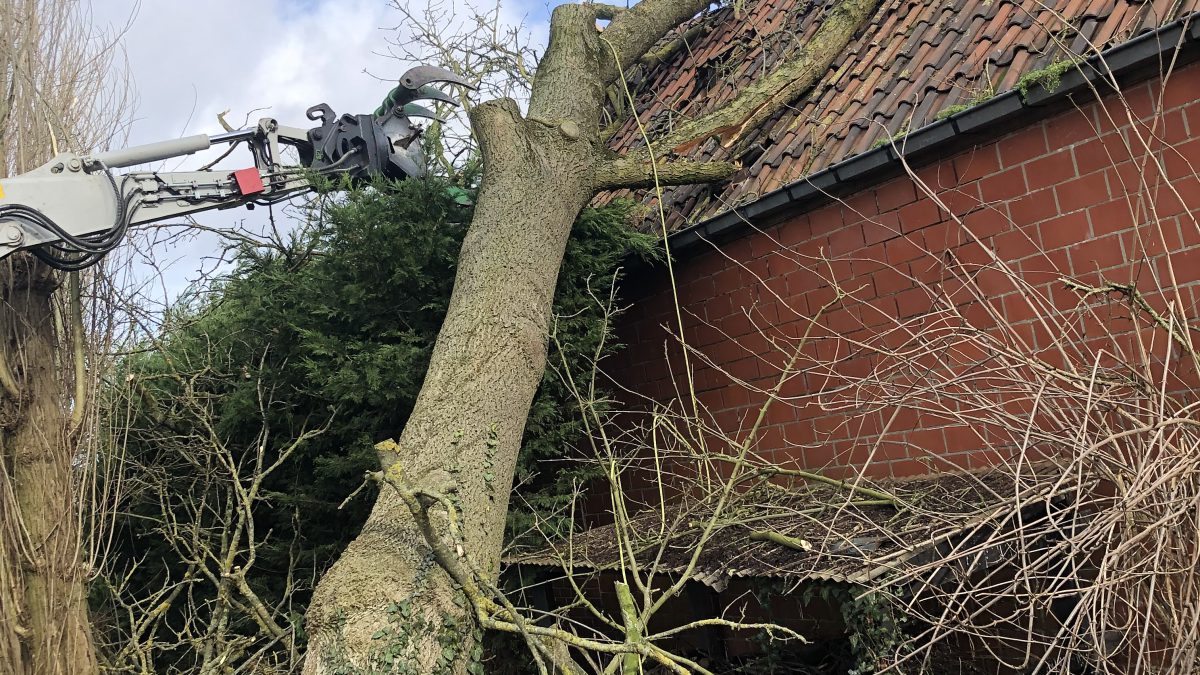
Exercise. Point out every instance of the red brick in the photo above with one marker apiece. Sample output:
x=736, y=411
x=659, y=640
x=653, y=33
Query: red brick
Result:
x=784, y=262
x=754, y=270
x=1003, y=186
x=826, y=219
x=1116, y=110
x=1184, y=158
x=743, y=369
x=919, y=214
x=1069, y=128
x=961, y=199
x=1082, y=192
x=894, y=194
x=888, y=451
x=1132, y=177
x=738, y=249
x=961, y=437
x=985, y=222
x=1140, y=100
x=867, y=264
x=1014, y=244
x=938, y=177
x=1192, y=115
x=1181, y=88
x=912, y=302
x=1110, y=217
x=1064, y=231
x=908, y=467
x=901, y=250
x=859, y=205
x=842, y=321
x=889, y=281
x=718, y=308
x=764, y=243
x=817, y=457
x=1050, y=170
x=1023, y=146
x=977, y=163
x=1097, y=254
x=774, y=286
x=1189, y=231
x=1173, y=129
x=1100, y=153
x=879, y=312
x=1189, y=191
x=795, y=230
x=881, y=228
x=923, y=441
x=993, y=281
x=1033, y=207
x=1017, y=308
x=942, y=236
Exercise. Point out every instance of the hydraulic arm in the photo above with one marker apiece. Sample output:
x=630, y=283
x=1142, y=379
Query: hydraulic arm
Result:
x=74, y=209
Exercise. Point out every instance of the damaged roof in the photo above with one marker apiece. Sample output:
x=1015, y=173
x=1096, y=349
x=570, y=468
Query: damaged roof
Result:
x=913, y=60
x=820, y=532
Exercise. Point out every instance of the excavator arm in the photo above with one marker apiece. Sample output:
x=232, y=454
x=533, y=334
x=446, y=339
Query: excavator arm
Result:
x=74, y=209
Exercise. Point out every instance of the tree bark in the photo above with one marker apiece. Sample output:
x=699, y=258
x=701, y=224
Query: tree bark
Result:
x=41, y=541
x=470, y=414
x=386, y=601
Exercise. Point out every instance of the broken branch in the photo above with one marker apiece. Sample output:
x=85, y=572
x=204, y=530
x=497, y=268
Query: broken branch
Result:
x=764, y=98
x=639, y=171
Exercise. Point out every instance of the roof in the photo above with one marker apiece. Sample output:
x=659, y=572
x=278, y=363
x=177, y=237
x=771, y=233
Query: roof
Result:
x=913, y=60
x=849, y=543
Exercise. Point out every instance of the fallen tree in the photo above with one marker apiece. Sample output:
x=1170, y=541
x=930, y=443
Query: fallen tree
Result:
x=453, y=465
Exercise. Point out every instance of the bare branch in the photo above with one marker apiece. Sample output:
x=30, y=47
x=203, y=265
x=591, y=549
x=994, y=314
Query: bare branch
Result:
x=634, y=32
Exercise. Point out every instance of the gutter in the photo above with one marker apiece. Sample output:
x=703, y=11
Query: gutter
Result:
x=1127, y=62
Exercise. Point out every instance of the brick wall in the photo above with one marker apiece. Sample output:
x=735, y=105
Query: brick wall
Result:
x=1074, y=196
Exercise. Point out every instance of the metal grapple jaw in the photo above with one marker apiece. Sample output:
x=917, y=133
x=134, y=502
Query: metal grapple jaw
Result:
x=386, y=143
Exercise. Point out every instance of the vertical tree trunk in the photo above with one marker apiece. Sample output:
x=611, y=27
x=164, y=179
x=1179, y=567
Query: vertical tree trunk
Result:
x=493, y=341
x=42, y=540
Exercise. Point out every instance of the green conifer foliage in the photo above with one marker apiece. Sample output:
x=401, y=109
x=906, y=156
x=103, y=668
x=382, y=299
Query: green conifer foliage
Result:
x=334, y=330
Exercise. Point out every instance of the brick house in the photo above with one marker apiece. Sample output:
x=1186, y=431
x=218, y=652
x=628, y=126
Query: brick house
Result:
x=1033, y=170
x=1004, y=168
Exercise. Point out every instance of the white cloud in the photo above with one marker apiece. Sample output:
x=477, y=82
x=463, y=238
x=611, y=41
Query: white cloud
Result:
x=190, y=61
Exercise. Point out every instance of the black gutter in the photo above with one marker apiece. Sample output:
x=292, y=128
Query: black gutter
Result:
x=1128, y=62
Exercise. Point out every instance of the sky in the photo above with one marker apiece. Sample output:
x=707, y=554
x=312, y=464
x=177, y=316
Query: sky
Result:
x=190, y=61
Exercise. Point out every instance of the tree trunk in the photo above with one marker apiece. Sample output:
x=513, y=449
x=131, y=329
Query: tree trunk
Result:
x=484, y=371
x=41, y=541
x=387, y=604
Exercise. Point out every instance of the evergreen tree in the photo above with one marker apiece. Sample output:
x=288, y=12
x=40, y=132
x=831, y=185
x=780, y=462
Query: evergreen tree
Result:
x=332, y=331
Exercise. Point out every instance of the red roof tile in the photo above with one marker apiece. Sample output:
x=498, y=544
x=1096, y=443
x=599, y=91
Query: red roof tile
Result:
x=914, y=59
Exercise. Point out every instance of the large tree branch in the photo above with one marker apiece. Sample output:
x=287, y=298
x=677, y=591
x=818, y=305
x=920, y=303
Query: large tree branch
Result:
x=764, y=98
x=634, y=32
x=636, y=171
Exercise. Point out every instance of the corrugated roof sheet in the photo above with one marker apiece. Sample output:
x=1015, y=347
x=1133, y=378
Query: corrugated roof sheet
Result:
x=913, y=59
x=850, y=543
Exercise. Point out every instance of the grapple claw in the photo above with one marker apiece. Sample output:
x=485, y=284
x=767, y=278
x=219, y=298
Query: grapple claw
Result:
x=428, y=93
x=420, y=76
x=415, y=110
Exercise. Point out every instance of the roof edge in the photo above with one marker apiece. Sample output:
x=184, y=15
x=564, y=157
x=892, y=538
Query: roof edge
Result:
x=1127, y=62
